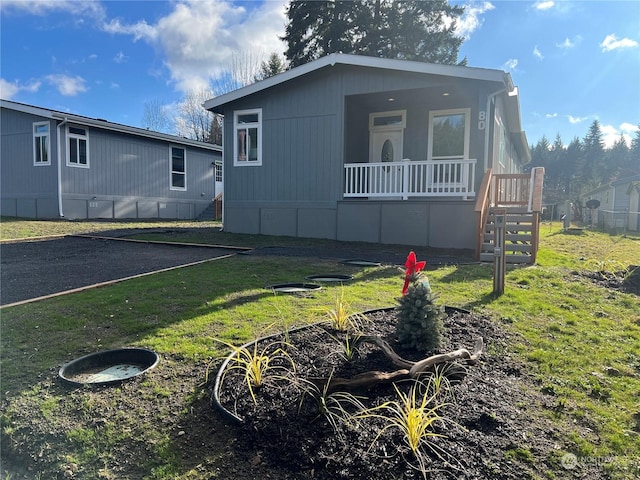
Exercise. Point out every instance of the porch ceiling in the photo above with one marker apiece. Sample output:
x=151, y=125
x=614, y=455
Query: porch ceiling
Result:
x=396, y=99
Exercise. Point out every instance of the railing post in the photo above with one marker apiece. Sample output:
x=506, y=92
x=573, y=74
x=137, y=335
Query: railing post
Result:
x=499, y=254
x=405, y=178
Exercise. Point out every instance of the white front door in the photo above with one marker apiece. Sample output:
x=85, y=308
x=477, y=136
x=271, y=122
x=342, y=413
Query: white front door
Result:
x=385, y=145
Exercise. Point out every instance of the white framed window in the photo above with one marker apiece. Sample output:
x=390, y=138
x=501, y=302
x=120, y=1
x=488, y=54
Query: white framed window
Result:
x=449, y=134
x=178, y=168
x=393, y=120
x=218, y=167
x=247, y=140
x=41, y=144
x=77, y=146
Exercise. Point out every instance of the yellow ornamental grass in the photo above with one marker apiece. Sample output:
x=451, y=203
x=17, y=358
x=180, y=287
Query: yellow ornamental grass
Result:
x=257, y=366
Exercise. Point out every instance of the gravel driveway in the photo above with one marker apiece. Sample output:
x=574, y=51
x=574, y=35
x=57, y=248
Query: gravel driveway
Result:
x=32, y=269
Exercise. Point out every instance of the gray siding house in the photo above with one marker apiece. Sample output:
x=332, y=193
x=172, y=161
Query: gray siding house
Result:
x=619, y=205
x=55, y=164
x=368, y=149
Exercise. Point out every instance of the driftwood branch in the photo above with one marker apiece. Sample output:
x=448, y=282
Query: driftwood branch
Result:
x=408, y=369
x=388, y=351
x=460, y=354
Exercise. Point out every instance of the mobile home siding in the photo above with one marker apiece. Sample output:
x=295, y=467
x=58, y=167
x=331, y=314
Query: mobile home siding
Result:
x=123, y=165
x=313, y=124
x=295, y=166
x=27, y=189
x=128, y=175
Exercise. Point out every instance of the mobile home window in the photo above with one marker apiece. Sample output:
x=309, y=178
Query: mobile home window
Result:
x=178, y=168
x=78, y=147
x=247, y=142
x=218, y=167
x=41, y=143
x=449, y=134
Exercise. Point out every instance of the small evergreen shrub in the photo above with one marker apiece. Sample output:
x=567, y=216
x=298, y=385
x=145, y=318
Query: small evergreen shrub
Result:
x=419, y=318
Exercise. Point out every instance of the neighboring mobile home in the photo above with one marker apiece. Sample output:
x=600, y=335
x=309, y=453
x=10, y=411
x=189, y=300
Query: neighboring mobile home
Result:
x=368, y=149
x=619, y=208
x=55, y=164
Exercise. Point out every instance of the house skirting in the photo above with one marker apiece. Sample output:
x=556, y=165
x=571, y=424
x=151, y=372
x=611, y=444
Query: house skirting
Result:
x=87, y=207
x=438, y=224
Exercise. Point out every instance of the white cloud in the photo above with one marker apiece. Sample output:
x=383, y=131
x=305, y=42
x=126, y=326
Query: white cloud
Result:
x=140, y=30
x=471, y=19
x=120, y=58
x=611, y=42
x=551, y=115
x=8, y=90
x=114, y=86
x=66, y=85
x=629, y=127
x=611, y=134
x=199, y=38
x=544, y=5
x=574, y=120
x=537, y=53
x=79, y=8
x=510, y=65
x=569, y=43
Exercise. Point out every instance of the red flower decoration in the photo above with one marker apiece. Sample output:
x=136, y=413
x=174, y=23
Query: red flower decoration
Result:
x=413, y=267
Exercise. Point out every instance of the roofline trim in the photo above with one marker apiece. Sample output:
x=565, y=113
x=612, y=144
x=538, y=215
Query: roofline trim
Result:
x=57, y=115
x=364, y=61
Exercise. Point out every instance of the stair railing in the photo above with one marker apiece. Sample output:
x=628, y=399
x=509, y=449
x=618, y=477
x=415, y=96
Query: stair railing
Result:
x=535, y=207
x=482, y=209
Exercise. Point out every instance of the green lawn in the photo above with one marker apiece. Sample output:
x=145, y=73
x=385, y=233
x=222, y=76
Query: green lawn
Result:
x=580, y=340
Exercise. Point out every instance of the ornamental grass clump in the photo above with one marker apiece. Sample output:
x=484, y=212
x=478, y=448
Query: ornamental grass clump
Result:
x=342, y=319
x=419, y=324
x=260, y=366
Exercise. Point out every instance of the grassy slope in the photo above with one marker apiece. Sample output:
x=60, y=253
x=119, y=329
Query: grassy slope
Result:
x=572, y=333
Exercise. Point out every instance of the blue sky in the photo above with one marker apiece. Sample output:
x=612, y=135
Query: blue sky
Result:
x=573, y=61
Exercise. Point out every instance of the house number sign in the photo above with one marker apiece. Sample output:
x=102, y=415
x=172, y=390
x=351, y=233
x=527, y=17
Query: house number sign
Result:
x=482, y=119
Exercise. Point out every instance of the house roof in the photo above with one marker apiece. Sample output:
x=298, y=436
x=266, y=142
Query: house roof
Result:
x=606, y=186
x=510, y=91
x=104, y=124
x=363, y=61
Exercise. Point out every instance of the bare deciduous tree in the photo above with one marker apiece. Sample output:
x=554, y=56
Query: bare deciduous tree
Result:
x=192, y=120
x=155, y=117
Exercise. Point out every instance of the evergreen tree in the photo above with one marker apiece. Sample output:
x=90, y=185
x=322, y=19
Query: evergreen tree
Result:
x=593, y=169
x=633, y=166
x=575, y=160
x=270, y=67
x=420, y=323
x=618, y=158
x=410, y=30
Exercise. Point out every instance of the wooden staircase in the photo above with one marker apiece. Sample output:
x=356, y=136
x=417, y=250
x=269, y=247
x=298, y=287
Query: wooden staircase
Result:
x=519, y=198
x=213, y=211
x=520, y=244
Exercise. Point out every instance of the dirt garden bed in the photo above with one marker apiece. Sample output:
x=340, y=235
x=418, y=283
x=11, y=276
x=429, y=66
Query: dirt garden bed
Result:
x=487, y=428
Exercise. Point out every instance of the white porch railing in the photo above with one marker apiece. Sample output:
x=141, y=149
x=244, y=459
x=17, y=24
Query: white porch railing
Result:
x=443, y=178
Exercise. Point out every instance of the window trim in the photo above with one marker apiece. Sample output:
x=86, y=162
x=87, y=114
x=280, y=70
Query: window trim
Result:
x=172, y=172
x=77, y=137
x=393, y=126
x=467, y=132
x=38, y=135
x=237, y=127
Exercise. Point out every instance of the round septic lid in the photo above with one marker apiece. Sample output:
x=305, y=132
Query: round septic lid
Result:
x=109, y=366
x=294, y=287
x=361, y=262
x=330, y=277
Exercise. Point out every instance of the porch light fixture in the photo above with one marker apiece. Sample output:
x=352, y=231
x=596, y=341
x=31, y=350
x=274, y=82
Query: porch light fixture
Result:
x=391, y=99
x=446, y=94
